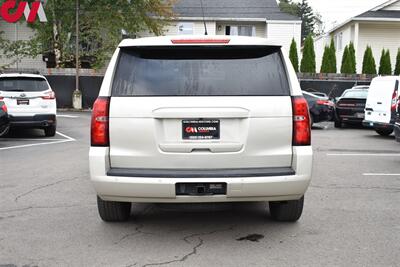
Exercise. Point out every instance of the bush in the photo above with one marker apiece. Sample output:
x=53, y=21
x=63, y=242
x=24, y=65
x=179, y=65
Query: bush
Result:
x=294, y=58
x=332, y=60
x=325, y=66
x=397, y=68
x=308, y=59
x=352, y=55
x=385, y=66
x=346, y=61
x=369, y=66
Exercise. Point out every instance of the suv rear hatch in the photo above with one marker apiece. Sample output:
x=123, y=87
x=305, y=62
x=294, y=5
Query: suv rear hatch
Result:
x=381, y=101
x=200, y=107
x=24, y=95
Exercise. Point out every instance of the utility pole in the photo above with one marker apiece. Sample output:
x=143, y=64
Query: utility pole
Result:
x=77, y=95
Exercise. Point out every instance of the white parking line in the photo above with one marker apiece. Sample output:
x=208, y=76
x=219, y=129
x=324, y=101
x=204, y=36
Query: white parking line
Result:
x=60, y=141
x=68, y=116
x=381, y=174
x=364, y=154
x=66, y=136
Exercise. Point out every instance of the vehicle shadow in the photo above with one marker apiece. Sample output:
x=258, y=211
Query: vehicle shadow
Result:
x=21, y=133
x=169, y=219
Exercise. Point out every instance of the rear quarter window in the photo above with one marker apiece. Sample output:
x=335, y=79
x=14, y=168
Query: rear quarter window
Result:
x=200, y=71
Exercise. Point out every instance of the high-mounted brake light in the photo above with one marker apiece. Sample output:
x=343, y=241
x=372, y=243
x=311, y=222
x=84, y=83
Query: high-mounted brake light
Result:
x=49, y=95
x=100, y=122
x=200, y=41
x=301, y=122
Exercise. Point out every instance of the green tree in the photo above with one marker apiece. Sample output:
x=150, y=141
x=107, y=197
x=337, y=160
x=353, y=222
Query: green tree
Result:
x=308, y=59
x=294, y=58
x=101, y=25
x=397, y=68
x=325, y=66
x=369, y=66
x=346, y=61
x=352, y=55
x=12, y=51
x=385, y=66
x=332, y=55
x=310, y=19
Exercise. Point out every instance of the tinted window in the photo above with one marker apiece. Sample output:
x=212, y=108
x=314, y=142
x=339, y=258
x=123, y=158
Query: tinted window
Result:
x=201, y=71
x=356, y=94
x=23, y=84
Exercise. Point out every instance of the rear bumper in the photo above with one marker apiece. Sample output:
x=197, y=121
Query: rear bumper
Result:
x=257, y=187
x=377, y=125
x=39, y=120
x=350, y=115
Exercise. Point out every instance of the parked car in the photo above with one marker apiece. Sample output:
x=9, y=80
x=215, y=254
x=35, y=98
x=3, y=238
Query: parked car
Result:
x=321, y=108
x=30, y=100
x=178, y=120
x=4, y=120
x=350, y=106
x=380, y=109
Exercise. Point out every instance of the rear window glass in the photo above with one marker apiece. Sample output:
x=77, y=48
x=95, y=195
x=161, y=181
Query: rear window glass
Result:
x=200, y=71
x=356, y=94
x=23, y=84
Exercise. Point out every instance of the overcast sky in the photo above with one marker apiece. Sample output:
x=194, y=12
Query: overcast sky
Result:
x=340, y=10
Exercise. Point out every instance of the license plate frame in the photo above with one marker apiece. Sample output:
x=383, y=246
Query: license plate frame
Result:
x=200, y=189
x=23, y=102
x=201, y=129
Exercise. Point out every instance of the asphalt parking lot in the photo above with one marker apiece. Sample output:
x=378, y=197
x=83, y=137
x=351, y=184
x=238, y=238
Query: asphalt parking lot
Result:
x=48, y=212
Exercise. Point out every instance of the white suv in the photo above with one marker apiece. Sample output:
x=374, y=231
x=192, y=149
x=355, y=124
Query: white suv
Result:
x=30, y=101
x=200, y=119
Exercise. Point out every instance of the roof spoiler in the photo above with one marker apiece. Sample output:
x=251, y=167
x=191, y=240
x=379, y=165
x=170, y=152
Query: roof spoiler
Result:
x=20, y=71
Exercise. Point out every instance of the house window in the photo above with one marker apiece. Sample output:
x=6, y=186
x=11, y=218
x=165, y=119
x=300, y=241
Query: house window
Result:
x=185, y=28
x=339, y=41
x=241, y=30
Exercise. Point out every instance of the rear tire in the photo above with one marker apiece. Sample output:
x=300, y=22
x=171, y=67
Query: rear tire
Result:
x=286, y=211
x=50, y=131
x=111, y=211
x=4, y=130
x=338, y=123
x=384, y=132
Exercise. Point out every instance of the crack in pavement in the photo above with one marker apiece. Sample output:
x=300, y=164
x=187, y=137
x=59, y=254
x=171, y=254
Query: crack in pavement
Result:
x=136, y=232
x=42, y=187
x=333, y=186
x=194, y=249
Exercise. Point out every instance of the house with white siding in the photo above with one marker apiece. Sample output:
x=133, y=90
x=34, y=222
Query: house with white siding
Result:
x=261, y=18
x=379, y=28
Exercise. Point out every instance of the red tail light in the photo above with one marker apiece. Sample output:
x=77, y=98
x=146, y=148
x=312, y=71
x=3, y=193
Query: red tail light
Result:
x=4, y=108
x=100, y=122
x=301, y=122
x=49, y=95
x=394, y=101
x=324, y=102
x=1, y=98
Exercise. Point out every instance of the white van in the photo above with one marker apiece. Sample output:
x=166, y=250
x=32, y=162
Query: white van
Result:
x=380, y=109
x=200, y=119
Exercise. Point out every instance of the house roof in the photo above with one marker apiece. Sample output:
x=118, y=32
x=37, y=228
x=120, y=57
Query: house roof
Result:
x=380, y=14
x=252, y=9
x=375, y=13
